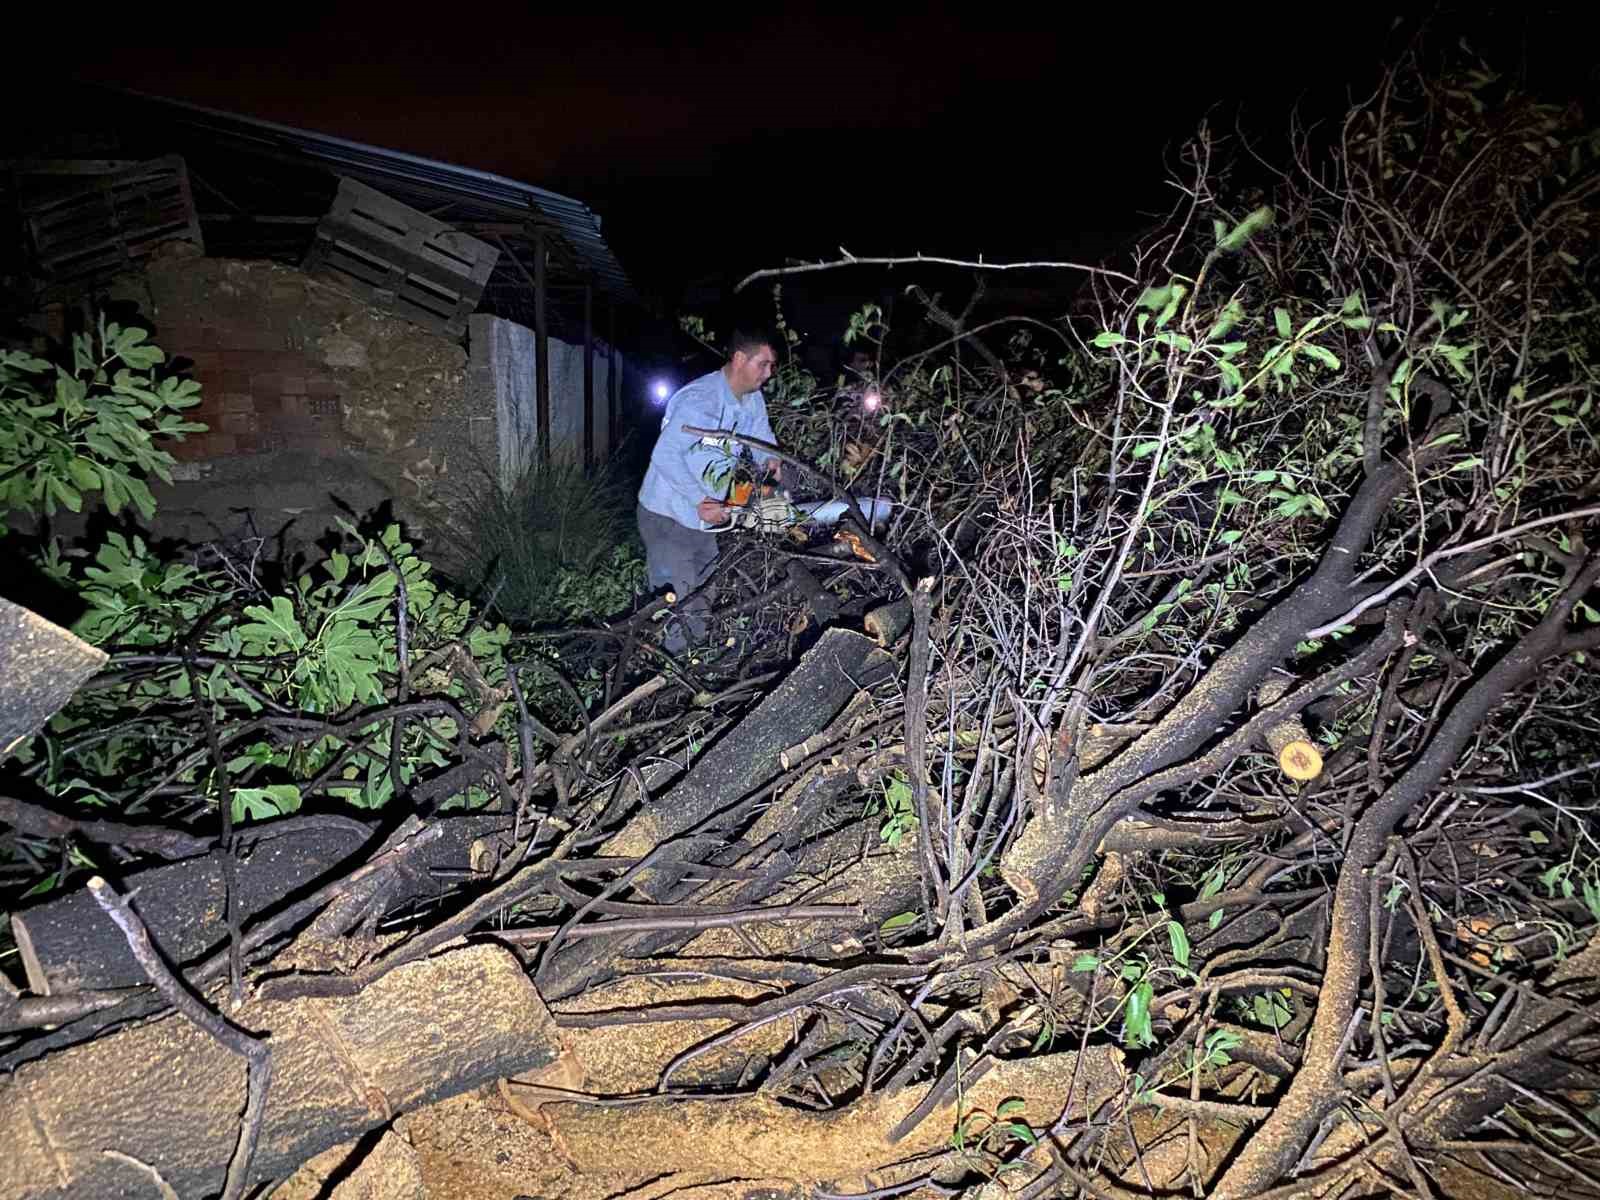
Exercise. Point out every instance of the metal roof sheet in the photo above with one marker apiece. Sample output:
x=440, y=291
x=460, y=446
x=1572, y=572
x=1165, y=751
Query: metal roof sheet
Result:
x=472, y=195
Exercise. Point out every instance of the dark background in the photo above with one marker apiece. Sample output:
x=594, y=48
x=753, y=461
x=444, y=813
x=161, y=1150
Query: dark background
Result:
x=743, y=138
x=719, y=142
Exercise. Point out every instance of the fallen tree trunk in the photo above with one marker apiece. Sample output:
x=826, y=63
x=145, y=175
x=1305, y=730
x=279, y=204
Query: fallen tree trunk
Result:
x=41, y=666
x=760, y=1137
x=68, y=944
x=166, y=1095
x=716, y=799
x=751, y=754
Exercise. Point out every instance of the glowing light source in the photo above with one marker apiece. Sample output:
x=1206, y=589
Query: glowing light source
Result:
x=661, y=389
x=870, y=399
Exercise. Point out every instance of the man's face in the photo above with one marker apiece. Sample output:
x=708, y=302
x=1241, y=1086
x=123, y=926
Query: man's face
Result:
x=751, y=371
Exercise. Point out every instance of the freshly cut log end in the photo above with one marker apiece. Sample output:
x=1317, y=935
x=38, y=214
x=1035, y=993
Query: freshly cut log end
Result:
x=1298, y=757
x=1300, y=761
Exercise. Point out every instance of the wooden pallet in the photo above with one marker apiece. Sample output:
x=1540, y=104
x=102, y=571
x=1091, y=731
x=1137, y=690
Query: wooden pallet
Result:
x=111, y=223
x=401, y=260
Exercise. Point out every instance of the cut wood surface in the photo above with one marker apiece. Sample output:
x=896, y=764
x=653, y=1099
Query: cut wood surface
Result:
x=41, y=665
x=1297, y=755
x=168, y=1096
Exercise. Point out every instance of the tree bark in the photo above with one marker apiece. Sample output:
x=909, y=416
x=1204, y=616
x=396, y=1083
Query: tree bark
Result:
x=68, y=944
x=751, y=754
x=1315, y=1089
x=713, y=802
x=167, y=1095
x=41, y=666
x=759, y=1136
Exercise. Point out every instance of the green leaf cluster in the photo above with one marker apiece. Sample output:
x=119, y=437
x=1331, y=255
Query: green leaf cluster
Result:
x=96, y=425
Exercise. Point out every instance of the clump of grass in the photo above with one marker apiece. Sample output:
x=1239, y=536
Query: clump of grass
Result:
x=558, y=544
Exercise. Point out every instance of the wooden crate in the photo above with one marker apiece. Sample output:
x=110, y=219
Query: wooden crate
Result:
x=109, y=223
x=401, y=260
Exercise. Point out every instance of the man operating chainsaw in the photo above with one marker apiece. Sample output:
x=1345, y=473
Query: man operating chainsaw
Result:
x=678, y=513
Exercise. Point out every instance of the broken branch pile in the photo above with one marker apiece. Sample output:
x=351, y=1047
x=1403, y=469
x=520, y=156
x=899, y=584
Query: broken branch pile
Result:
x=1193, y=791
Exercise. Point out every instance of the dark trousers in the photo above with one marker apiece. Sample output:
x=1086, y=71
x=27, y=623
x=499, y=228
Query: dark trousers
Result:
x=680, y=558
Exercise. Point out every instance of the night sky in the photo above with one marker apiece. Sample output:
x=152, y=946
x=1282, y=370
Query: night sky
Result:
x=748, y=138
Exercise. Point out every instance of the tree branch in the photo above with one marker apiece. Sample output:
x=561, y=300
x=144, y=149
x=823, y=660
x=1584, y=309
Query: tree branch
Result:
x=253, y=1050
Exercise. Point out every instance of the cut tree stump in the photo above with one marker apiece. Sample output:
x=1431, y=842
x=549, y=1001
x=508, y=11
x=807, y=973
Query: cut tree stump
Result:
x=69, y=944
x=168, y=1096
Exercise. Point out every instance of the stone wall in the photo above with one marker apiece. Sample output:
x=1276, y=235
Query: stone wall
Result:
x=314, y=400
x=319, y=406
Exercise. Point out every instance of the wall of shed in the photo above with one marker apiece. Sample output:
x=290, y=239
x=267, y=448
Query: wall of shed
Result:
x=321, y=406
x=501, y=362
x=318, y=404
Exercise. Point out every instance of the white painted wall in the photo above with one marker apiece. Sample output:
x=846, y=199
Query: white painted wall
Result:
x=501, y=365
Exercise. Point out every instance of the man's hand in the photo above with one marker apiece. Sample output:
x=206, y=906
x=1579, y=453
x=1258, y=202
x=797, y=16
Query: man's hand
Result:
x=712, y=512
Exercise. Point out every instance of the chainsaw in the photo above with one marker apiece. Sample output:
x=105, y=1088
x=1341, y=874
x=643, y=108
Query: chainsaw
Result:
x=770, y=509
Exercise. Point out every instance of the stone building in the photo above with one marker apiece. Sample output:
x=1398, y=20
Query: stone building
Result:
x=366, y=325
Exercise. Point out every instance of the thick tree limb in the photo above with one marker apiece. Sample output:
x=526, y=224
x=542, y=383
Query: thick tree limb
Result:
x=1044, y=855
x=341, y=1068
x=1315, y=1089
x=253, y=1050
x=36, y=820
x=766, y=1138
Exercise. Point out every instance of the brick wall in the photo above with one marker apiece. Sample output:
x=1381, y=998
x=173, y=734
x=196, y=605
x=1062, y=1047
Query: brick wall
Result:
x=261, y=401
x=294, y=365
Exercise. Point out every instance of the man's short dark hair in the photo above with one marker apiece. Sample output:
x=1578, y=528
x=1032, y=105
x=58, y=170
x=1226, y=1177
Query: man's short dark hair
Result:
x=750, y=339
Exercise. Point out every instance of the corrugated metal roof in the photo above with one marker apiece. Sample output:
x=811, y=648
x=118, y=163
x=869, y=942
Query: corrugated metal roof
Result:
x=472, y=195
